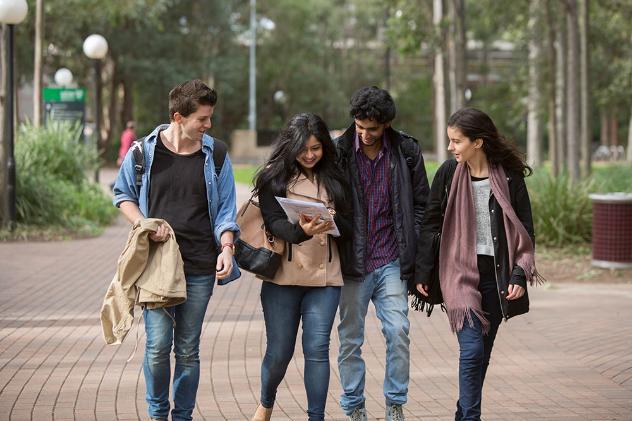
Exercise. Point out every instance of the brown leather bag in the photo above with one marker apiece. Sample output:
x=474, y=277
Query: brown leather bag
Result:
x=257, y=250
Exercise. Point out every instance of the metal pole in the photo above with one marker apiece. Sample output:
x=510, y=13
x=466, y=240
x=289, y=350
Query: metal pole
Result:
x=252, y=102
x=10, y=130
x=97, y=115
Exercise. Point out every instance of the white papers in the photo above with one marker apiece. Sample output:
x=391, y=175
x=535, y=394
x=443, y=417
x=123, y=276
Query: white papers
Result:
x=293, y=208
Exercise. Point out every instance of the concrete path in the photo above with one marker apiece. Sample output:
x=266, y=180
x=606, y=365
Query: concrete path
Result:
x=570, y=358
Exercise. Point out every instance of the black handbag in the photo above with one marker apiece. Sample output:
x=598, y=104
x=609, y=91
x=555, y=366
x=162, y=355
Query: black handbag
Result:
x=257, y=250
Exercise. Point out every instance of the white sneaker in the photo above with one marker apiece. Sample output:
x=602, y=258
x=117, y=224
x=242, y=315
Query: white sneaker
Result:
x=358, y=414
x=394, y=413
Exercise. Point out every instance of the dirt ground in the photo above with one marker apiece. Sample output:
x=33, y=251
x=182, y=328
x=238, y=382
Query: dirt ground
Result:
x=561, y=266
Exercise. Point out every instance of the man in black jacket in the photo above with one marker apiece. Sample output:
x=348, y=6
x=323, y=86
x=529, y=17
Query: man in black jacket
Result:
x=389, y=190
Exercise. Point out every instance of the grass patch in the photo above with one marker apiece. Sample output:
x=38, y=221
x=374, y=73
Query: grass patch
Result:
x=244, y=174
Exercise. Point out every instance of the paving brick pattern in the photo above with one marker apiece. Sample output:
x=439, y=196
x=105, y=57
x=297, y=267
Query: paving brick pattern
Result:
x=570, y=358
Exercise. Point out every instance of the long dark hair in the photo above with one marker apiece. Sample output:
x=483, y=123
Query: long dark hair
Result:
x=475, y=124
x=282, y=167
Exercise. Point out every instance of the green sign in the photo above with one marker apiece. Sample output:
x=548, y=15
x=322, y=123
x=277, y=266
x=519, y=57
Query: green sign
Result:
x=65, y=104
x=64, y=95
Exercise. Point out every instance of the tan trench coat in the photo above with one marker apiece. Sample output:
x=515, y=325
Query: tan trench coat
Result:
x=310, y=264
x=148, y=274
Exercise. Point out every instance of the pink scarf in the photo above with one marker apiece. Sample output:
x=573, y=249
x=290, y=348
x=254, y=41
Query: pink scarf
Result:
x=458, y=270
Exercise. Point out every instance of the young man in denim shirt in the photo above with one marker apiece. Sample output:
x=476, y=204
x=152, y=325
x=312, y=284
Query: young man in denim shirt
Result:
x=389, y=191
x=181, y=186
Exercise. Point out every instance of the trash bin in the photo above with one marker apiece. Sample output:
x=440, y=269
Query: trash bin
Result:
x=612, y=230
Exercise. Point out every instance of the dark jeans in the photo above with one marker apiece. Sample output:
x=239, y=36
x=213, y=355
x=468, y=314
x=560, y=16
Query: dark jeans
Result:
x=283, y=309
x=476, y=348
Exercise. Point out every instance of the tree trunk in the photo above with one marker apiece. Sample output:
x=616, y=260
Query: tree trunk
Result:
x=551, y=100
x=387, y=51
x=560, y=91
x=534, y=132
x=4, y=200
x=111, y=119
x=485, y=64
x=439, y=85
x=572, y=90
x=613, y=130
x=603, y=132
x=127, y=110
x=37, y=63
x=614, y=137
x=456, y=54
x=629, y=155
x=584, y=68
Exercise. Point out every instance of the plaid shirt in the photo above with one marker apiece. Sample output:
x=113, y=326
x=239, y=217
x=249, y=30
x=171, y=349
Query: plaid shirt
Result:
x=375, y=179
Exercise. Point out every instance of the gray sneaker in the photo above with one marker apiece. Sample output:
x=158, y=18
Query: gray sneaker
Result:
x=358, y=414
x=394, y=413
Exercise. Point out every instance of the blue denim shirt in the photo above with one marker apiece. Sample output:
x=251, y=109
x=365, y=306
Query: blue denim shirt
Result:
x=220, y=191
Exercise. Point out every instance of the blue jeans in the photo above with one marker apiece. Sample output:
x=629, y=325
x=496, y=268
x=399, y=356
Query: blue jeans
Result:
x=388, y=292
x=283, y=308
x=180, y=326
x=476, y=348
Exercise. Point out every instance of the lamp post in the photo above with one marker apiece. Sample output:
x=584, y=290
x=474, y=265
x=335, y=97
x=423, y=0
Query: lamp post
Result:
x=63, y=77
x=96, y=47
x=280, y=100
x=12, y=12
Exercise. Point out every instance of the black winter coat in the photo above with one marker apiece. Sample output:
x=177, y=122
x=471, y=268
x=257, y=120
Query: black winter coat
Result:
x=506, y=272
x=409, y=187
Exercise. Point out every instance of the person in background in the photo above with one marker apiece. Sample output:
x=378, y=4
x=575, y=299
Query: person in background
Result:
x=127, y=137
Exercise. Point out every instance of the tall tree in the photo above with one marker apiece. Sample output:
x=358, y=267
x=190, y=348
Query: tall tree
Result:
x=560, y=88
x=554, y=155
x=438, y=80
x=572, y=90
x=584, y=69
x=4, y=203
x=629, y=155
x=456, y=46
x=534, y=132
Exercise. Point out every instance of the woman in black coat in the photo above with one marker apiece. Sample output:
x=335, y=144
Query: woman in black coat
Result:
x=480, y=207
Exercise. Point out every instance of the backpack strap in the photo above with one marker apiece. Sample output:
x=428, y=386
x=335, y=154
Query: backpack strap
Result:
x=139, y=160
x=219, y=155
x=407, y=146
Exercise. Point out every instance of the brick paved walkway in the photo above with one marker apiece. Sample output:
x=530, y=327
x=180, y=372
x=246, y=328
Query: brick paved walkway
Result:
x=569, y=359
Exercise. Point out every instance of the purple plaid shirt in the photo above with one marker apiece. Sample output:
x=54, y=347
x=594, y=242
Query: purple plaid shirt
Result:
x=375, y=179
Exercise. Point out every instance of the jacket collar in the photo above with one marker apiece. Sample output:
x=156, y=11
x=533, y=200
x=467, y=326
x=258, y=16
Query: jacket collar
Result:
x=208, y=142
x=347, y=139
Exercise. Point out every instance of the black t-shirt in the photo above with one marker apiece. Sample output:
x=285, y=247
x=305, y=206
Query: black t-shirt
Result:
x=177, y=194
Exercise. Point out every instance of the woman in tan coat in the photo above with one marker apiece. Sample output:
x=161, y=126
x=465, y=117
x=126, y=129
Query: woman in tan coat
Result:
x=307, y=285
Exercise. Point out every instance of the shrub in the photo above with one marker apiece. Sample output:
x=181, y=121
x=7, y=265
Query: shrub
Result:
x=562, y=212
x=52, y=189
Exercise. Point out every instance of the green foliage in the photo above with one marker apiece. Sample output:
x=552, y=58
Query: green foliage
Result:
x=615, y=177
x=55, y=150
x=562, y=211
x=52, y=187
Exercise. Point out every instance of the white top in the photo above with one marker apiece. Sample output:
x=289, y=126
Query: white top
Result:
x=481, y=191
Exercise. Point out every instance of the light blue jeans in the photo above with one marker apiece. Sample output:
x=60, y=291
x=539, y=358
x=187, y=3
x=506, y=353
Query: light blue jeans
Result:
x=284, y=307
x=180, y=326
x=389, y=294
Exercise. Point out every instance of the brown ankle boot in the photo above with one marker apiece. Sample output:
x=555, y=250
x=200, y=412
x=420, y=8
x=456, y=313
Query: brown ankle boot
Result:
x=262, y=414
